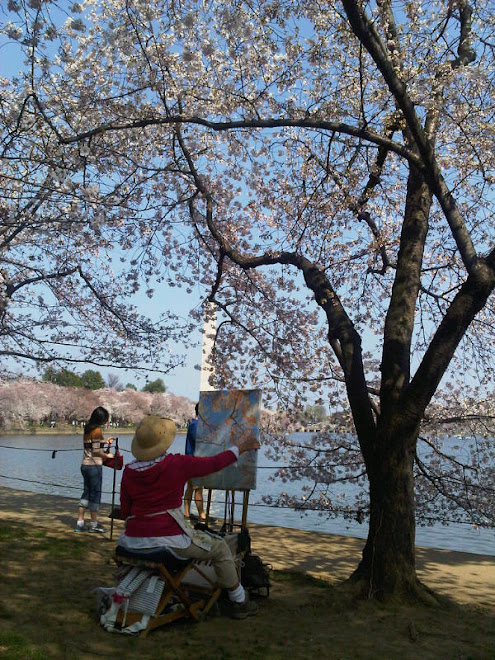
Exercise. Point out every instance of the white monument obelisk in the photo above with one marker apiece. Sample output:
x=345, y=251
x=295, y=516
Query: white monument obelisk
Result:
x=209, y=334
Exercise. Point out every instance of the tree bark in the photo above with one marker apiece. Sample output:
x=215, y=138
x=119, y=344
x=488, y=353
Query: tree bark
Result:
x=388, y=565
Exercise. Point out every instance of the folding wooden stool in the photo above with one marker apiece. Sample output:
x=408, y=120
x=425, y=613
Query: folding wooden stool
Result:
x=178, y=600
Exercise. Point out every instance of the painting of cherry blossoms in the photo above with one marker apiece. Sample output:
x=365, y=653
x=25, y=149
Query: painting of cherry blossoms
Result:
x=226, y=418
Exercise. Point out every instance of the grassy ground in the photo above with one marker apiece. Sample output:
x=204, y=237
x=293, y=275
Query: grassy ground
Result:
x=48, y=610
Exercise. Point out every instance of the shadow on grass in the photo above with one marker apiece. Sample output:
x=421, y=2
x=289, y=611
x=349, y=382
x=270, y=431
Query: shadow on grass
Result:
x=48, y=610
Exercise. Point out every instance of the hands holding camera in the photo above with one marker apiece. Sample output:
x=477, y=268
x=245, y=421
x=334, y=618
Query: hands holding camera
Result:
x=108, y=443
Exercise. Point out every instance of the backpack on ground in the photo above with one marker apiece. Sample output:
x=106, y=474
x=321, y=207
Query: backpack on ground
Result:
x=254, y=572
x=255, y=575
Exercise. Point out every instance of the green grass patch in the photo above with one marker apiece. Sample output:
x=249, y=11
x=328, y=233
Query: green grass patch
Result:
x=14, y=646
x=35, y=540
x=9, y=531
x=58, y=547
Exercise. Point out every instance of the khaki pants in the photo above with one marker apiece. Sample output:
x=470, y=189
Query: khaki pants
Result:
x=221, y=555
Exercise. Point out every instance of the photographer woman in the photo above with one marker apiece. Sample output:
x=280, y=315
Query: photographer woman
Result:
x=91, y=470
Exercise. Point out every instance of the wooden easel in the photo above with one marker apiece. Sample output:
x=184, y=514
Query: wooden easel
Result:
x=229, y=511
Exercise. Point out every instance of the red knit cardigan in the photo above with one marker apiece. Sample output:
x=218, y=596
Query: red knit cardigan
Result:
x=156, y=488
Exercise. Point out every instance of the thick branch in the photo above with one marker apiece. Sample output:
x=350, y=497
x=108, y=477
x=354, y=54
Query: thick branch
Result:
x=47, y=359
x=365, y=31
x=399, y=323
x=340, y=328
x=10, y=289
x=304, y=122
x=465, y=52
x=470, y=299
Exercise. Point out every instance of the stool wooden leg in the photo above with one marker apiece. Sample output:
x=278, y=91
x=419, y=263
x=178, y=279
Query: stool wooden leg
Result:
x=166, y=610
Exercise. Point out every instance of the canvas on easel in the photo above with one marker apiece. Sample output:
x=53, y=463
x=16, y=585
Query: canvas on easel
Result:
x=226, y=418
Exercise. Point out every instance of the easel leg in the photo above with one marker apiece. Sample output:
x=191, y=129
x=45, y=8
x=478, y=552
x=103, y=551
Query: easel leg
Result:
x=245, y=504
x=208, y=505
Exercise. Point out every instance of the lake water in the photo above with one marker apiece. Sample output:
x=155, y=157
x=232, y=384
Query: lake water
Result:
x=26, y=463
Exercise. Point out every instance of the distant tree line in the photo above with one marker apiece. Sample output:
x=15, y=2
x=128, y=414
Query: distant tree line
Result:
x=68, y=398
x=93, y=380
x=26, y=402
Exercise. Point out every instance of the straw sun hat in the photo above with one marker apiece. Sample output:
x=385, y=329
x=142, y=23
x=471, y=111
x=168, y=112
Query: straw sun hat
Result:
x=153, y=437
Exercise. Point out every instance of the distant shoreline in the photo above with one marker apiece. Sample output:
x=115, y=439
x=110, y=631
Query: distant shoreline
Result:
x=69, y=430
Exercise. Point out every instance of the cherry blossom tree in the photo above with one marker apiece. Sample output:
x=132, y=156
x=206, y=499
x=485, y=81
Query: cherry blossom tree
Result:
x=324, y=173
x=73, y=404
x=179, y=408
x=66, y=290
x=130, y=406
x=22, y=402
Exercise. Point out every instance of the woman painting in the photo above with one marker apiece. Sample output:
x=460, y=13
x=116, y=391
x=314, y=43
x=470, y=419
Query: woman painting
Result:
x=151, y=500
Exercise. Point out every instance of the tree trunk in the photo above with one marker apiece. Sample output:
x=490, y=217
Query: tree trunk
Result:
x=388, y=565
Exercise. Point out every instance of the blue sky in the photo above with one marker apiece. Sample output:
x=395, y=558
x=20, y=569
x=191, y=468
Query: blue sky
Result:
x=183, y=381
